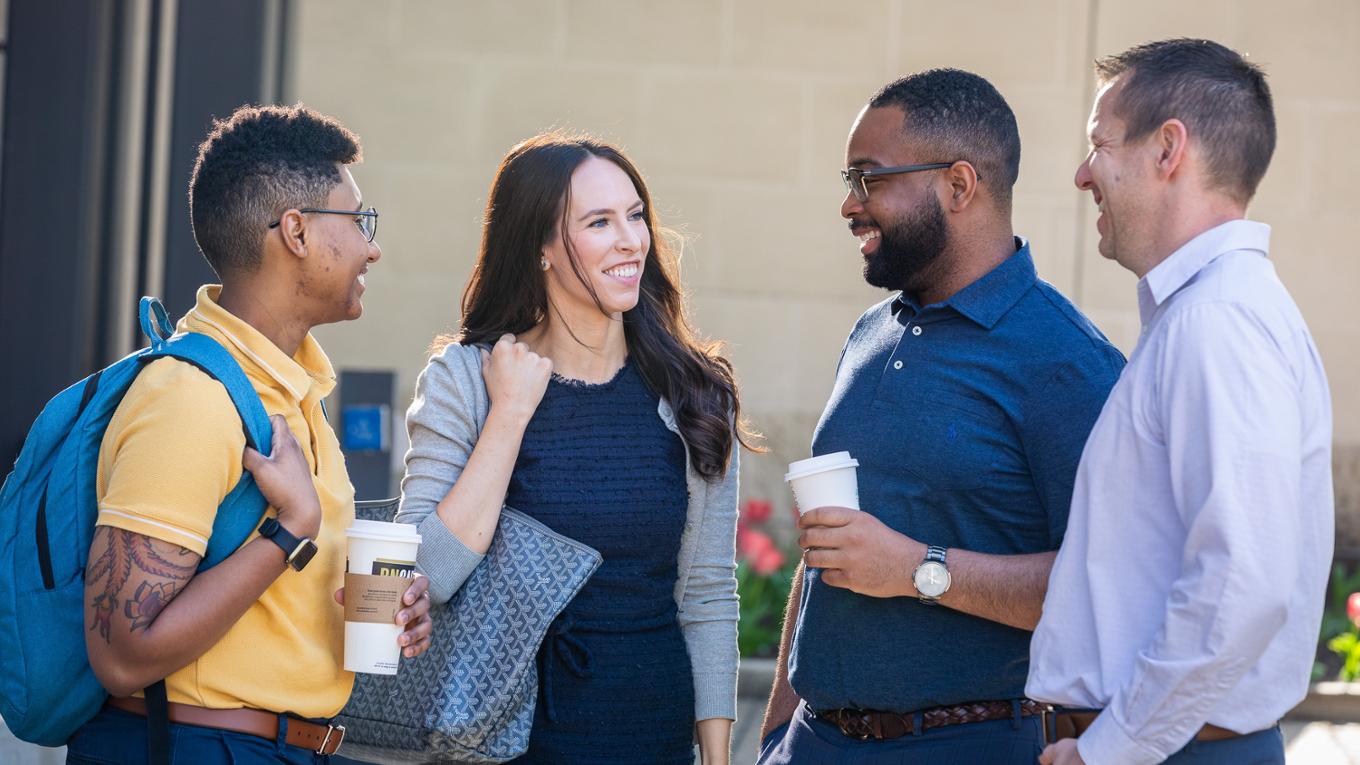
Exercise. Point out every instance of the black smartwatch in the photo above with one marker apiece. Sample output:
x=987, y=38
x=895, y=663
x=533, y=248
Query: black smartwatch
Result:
x=297, y=552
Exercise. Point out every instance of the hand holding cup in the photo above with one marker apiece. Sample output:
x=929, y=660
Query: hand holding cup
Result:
x=414, y=619
x=386, y=608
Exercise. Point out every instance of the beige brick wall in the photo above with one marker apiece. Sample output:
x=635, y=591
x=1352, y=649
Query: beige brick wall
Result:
x=737, y=112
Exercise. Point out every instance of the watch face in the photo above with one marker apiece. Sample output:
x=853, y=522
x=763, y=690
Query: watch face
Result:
x=931, y=579
x=305, y=552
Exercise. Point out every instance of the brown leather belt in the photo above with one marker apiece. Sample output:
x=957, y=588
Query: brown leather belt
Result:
x=322, y=739
x=1073, y=724
x=865, y=724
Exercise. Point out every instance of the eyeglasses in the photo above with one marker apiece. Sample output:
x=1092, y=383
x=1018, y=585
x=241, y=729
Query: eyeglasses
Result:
x=367, y=220
x=854, y=177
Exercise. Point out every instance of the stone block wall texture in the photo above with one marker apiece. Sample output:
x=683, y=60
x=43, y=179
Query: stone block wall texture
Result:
x=737, y=111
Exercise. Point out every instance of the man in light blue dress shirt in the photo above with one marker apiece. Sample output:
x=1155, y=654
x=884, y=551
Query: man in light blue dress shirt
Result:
x=1184, y=605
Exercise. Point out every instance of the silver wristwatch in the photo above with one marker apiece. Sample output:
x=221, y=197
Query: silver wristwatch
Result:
x=931, y=578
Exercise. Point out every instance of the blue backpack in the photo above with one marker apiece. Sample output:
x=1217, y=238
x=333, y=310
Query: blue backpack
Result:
x=47, y=515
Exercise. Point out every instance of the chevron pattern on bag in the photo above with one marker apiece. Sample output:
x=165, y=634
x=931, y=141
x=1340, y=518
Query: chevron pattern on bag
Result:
x=470, y=697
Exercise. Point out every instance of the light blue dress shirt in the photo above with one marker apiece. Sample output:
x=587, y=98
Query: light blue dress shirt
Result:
x=1189, y=587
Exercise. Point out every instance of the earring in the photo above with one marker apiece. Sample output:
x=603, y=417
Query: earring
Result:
x=544, y=263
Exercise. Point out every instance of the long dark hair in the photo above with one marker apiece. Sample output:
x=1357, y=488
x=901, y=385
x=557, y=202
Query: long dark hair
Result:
x=529, y=202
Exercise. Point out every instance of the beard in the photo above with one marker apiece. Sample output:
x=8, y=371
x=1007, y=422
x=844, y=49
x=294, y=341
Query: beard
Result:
x=907, y=248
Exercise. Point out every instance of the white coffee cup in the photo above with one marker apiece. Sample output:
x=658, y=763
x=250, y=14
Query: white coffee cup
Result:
x=379, y=569
x=828, y=480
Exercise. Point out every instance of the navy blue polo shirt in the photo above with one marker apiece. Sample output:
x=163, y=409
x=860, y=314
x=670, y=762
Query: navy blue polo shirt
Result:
x=968, y=419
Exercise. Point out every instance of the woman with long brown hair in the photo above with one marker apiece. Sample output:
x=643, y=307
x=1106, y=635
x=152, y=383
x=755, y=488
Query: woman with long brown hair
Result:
x=607, y=419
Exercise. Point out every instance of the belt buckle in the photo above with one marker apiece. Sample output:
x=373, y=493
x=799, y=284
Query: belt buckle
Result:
x=330, y=730
x=858, y=726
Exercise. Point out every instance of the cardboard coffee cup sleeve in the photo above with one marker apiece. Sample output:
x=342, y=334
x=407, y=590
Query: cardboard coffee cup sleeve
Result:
x=373, y=599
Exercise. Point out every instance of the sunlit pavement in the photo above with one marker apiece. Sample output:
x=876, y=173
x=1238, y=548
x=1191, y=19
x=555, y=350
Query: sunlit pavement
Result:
x=1322, y=743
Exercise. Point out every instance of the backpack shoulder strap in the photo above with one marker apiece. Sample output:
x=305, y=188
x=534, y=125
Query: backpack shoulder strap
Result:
x=243, y=507
x=216, y=362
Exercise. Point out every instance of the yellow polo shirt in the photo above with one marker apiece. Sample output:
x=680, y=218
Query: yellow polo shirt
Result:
x=172, y=452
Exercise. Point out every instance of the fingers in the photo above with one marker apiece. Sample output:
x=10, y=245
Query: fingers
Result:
x=1046, y=756
x=827, y=516
x=818, y=536
x=252, y=460
x=836, y=578
x=340, y=596
x=824, y=559
x=417, y=647
x=411, y=617
x=418, y=589
x=419, y=626
x=281, y=432
x=417, y=600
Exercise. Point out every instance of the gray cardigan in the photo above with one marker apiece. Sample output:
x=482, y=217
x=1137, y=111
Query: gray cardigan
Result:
x=444, y=421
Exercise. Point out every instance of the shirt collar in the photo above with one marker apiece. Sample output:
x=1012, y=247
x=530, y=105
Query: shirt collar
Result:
x=986, y=300
x=307, y=371
x=1181, y=266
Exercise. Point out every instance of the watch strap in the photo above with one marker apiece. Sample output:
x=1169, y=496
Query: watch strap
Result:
x=293, y=547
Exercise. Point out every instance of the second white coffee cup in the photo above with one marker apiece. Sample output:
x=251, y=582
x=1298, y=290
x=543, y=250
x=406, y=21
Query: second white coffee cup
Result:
x=825, y=481
x=381, y=563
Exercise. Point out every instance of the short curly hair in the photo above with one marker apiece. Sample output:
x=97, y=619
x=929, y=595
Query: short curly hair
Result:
x=254, y=165
x=961, y=116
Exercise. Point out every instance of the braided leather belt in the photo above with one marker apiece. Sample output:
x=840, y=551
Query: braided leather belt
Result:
x=865, y=724
x=322, y=739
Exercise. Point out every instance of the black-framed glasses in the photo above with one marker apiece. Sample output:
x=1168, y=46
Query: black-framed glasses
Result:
x=366, y=220
x=854, y=176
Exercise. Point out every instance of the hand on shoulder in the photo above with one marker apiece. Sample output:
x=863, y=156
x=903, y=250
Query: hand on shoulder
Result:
x=515, y=377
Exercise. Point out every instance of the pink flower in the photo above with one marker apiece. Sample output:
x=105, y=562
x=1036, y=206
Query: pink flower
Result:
x=1353, y=608
x=768, y=561
x=757, y=548
x=757, y=510
x=750, y=541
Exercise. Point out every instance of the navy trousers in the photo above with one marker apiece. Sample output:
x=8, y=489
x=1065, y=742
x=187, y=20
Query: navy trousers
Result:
x=805, y=740
x=115, y=737
x=1264, y=747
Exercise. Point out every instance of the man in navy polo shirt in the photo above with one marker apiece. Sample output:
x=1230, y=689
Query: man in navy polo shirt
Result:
x=966, y=397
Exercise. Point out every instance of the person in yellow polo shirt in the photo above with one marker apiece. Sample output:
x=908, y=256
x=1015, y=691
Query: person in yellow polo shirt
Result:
x=251, y=649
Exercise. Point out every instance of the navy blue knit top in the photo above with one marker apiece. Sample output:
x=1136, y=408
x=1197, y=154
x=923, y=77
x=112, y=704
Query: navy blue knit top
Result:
x=616, y=684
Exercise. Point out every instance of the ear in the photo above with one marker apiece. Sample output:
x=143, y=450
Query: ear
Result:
x=1171, y=141
x=292, y=231
x=963, y=185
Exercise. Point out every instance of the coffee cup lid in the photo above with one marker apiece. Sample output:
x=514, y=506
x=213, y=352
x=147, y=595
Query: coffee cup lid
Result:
x=821, y=464
x=391, y=532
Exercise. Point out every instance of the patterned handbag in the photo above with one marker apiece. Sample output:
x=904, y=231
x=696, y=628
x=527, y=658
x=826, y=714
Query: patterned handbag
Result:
x=470, y=697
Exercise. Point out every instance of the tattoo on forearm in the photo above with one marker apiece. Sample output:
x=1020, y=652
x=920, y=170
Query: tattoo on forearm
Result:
x=126, y=555
x=147, y=603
